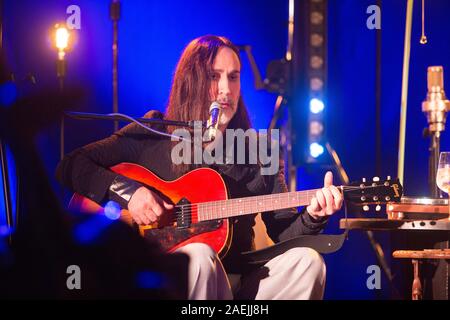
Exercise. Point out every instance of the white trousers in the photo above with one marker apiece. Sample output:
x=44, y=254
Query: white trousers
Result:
x=297, y=274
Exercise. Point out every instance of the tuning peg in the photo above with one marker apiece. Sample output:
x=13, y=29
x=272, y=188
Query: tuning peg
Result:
x=378, y=208
x=388, y=178
x=366, y=208
x=363, y=198
x=387, y=198
x=363, y=179
x=375, y=198
x=375, y=179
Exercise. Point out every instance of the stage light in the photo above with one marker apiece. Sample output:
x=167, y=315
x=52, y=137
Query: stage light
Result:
x=316, y=105
x=311, y=57
x=317, y=18
x=112, y=210
x=315, y=150
x=315, y=128
x=316, y=84
x=316, y=40
x=61, y=38
x=316, y=62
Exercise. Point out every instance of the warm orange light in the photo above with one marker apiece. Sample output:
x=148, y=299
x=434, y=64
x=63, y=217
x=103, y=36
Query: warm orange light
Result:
x=61, y=38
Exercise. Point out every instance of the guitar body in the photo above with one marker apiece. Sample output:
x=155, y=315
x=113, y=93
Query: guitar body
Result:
x=197, y=186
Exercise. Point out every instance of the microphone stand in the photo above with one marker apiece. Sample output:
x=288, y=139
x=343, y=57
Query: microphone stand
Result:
x=61, y=69
x=116, y=118
x=6, y=186
x=436, y=107
x=3, y=157
x=433, y=158
x=115, y=16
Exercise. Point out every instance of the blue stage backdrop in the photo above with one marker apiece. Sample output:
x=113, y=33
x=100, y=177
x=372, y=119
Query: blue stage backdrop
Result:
x=152, y=35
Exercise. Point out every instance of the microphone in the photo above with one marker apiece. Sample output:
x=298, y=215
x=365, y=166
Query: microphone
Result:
x=436, y=104
x=213, y=121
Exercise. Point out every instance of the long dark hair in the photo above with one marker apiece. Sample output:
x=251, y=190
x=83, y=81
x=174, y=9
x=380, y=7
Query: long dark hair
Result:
x=190, y=93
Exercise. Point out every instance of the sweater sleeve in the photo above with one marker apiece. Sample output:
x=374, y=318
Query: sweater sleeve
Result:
x=86, y=169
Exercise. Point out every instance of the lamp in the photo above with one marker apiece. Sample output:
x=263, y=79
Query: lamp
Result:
x=61, y=40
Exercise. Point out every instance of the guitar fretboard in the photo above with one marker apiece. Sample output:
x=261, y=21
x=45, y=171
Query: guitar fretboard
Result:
x=249, y=205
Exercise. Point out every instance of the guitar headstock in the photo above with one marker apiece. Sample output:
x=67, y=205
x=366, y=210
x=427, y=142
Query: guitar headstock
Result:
x=376, y=192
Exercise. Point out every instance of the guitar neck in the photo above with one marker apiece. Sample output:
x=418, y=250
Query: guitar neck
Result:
x=250, y=205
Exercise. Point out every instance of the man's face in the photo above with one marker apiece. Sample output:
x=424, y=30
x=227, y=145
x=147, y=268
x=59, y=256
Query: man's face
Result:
x=226, y=83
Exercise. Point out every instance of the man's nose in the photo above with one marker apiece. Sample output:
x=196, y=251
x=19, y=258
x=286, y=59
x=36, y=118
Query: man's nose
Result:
x=224, y=87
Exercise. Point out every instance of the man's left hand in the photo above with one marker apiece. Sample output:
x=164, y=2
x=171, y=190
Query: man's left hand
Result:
x=327, y=200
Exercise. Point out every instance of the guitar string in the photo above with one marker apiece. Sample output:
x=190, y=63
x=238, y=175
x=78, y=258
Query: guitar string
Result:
x=213, y=205
x=194, y=207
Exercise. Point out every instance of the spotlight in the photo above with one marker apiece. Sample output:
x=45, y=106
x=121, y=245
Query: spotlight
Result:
x=316, y=84
x=315, y=150
x=316, y=105
x=316, y=62
x=61, y=39
x=316, y=40
x=315, y=128
x=317, y=18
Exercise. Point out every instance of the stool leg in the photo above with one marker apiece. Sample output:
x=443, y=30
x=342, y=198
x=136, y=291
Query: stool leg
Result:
x=417, y=286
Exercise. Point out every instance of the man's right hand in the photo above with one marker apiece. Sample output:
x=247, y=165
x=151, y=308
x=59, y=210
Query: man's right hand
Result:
x=146, y=206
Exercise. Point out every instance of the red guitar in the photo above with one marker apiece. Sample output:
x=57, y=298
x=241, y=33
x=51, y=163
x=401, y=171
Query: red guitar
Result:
x=202, y=205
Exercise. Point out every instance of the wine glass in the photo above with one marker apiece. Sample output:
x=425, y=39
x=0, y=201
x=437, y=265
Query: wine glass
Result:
x=443, y=174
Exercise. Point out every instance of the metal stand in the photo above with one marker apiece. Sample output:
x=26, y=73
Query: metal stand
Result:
x=6, y=186
x=99, y=116
x=61, y=68
x=115, y=16
x=433, y=160
x=436, y=107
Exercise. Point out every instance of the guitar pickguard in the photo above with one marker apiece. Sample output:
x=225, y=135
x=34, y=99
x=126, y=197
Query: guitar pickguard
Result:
x=169, y=237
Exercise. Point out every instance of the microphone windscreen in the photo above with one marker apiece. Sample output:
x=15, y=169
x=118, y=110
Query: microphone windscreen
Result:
x=214, y=106
x=435, y=79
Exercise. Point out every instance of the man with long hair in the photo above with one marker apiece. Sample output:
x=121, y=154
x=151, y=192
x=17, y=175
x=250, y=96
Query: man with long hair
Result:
x=209, y=70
